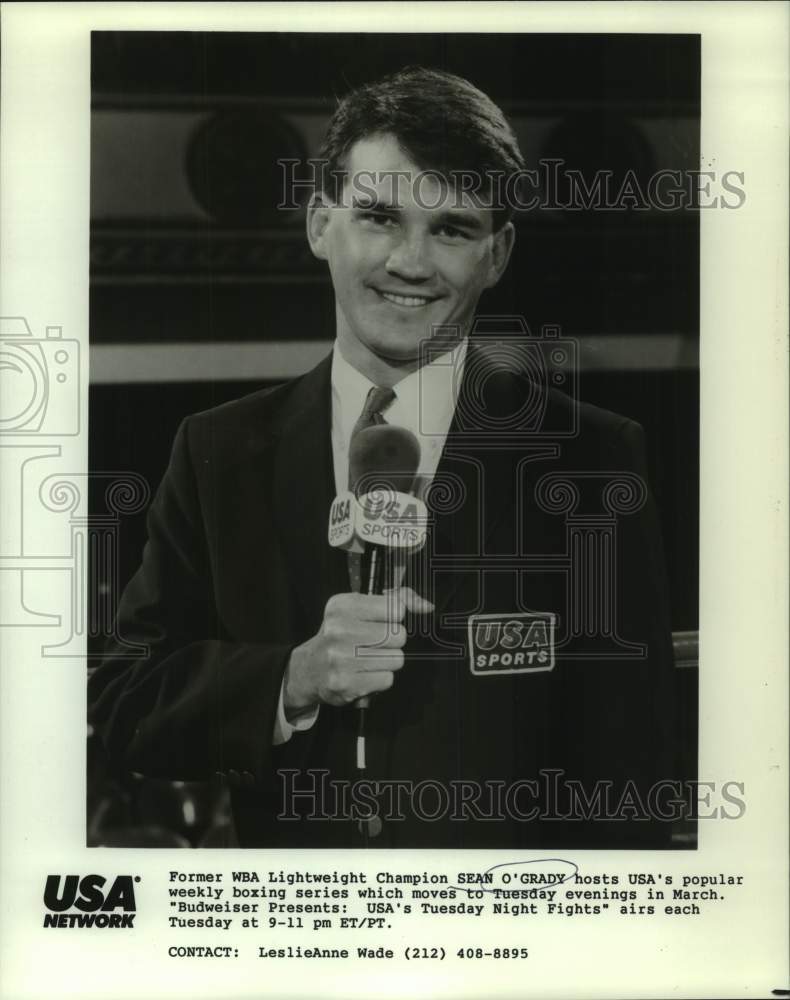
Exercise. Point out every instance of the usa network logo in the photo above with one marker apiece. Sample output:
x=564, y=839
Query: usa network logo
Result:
x=90, y=901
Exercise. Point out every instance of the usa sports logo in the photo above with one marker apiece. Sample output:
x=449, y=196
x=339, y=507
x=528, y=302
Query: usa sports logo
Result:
x=517, y=643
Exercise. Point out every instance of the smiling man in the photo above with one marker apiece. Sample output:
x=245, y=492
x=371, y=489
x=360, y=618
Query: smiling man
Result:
x=499, y=709
x=409, y=256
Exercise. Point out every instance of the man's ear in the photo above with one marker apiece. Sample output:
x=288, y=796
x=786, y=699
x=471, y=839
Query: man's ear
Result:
x=318, y=215
x=502, y=248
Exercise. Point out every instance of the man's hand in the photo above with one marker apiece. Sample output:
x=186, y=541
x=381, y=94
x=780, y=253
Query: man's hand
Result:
x=357, y=651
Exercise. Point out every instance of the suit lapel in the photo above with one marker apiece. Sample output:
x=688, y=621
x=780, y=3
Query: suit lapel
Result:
x=476, y=473
x=303, y=491
x=480, y=467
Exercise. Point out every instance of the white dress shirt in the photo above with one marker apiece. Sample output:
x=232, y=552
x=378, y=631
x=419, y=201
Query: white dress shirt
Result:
x=424, y=404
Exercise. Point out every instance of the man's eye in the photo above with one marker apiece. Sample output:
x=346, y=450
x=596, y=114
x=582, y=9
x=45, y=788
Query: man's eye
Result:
x=453, y=233
x=378, y=218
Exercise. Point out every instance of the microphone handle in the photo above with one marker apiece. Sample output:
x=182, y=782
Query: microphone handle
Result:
x=385, y=570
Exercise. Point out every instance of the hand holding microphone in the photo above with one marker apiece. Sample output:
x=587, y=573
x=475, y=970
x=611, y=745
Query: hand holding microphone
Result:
x=329, y=668
x=358, y=648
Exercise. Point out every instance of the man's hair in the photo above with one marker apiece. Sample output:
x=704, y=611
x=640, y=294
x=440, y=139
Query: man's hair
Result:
x=441, y=121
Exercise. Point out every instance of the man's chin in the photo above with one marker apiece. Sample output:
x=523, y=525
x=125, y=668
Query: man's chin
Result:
x=399, y=358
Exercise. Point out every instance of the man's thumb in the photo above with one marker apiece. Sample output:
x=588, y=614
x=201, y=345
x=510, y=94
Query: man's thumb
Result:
x=414, y=603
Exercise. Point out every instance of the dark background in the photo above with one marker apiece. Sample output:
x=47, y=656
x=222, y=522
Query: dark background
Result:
x=187, y=246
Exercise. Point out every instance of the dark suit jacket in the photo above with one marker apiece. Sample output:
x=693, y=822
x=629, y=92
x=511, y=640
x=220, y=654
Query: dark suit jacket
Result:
x=237, y=571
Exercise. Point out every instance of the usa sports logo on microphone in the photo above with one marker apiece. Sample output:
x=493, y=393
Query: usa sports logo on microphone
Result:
x=383, y=517
x=517, y=643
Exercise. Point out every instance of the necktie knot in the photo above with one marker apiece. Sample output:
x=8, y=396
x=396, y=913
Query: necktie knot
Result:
x=378, y=399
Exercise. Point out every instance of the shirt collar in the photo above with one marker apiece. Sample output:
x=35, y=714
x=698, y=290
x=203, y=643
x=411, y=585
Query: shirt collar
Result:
x=349, y=391
x=424, y=400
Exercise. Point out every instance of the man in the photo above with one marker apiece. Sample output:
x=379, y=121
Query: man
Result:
x=497, y=713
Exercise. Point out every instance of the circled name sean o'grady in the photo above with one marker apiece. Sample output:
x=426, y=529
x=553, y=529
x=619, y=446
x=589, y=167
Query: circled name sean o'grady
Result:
x=260, y=644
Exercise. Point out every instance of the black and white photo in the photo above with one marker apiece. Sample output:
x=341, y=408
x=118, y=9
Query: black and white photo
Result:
x=516, y=658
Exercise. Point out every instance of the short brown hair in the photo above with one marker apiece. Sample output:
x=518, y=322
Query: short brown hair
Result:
x=441, y=121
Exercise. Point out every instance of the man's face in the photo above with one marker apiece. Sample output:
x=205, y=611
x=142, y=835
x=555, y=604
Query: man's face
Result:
x=406, y=256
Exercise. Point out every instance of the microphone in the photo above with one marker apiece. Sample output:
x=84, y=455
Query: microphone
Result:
x=379, y=518
x=383, y=460
x=383, y=455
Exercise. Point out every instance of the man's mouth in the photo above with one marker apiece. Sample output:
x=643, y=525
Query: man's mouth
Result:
x=407, y=301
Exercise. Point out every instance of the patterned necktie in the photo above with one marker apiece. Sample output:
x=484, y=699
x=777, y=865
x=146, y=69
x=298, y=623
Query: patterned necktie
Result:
x=377, y=400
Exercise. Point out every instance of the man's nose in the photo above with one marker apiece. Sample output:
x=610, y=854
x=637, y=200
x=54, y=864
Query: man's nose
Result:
x=410, y=259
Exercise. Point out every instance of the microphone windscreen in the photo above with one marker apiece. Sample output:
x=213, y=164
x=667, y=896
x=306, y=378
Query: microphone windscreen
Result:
x=383, y=457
